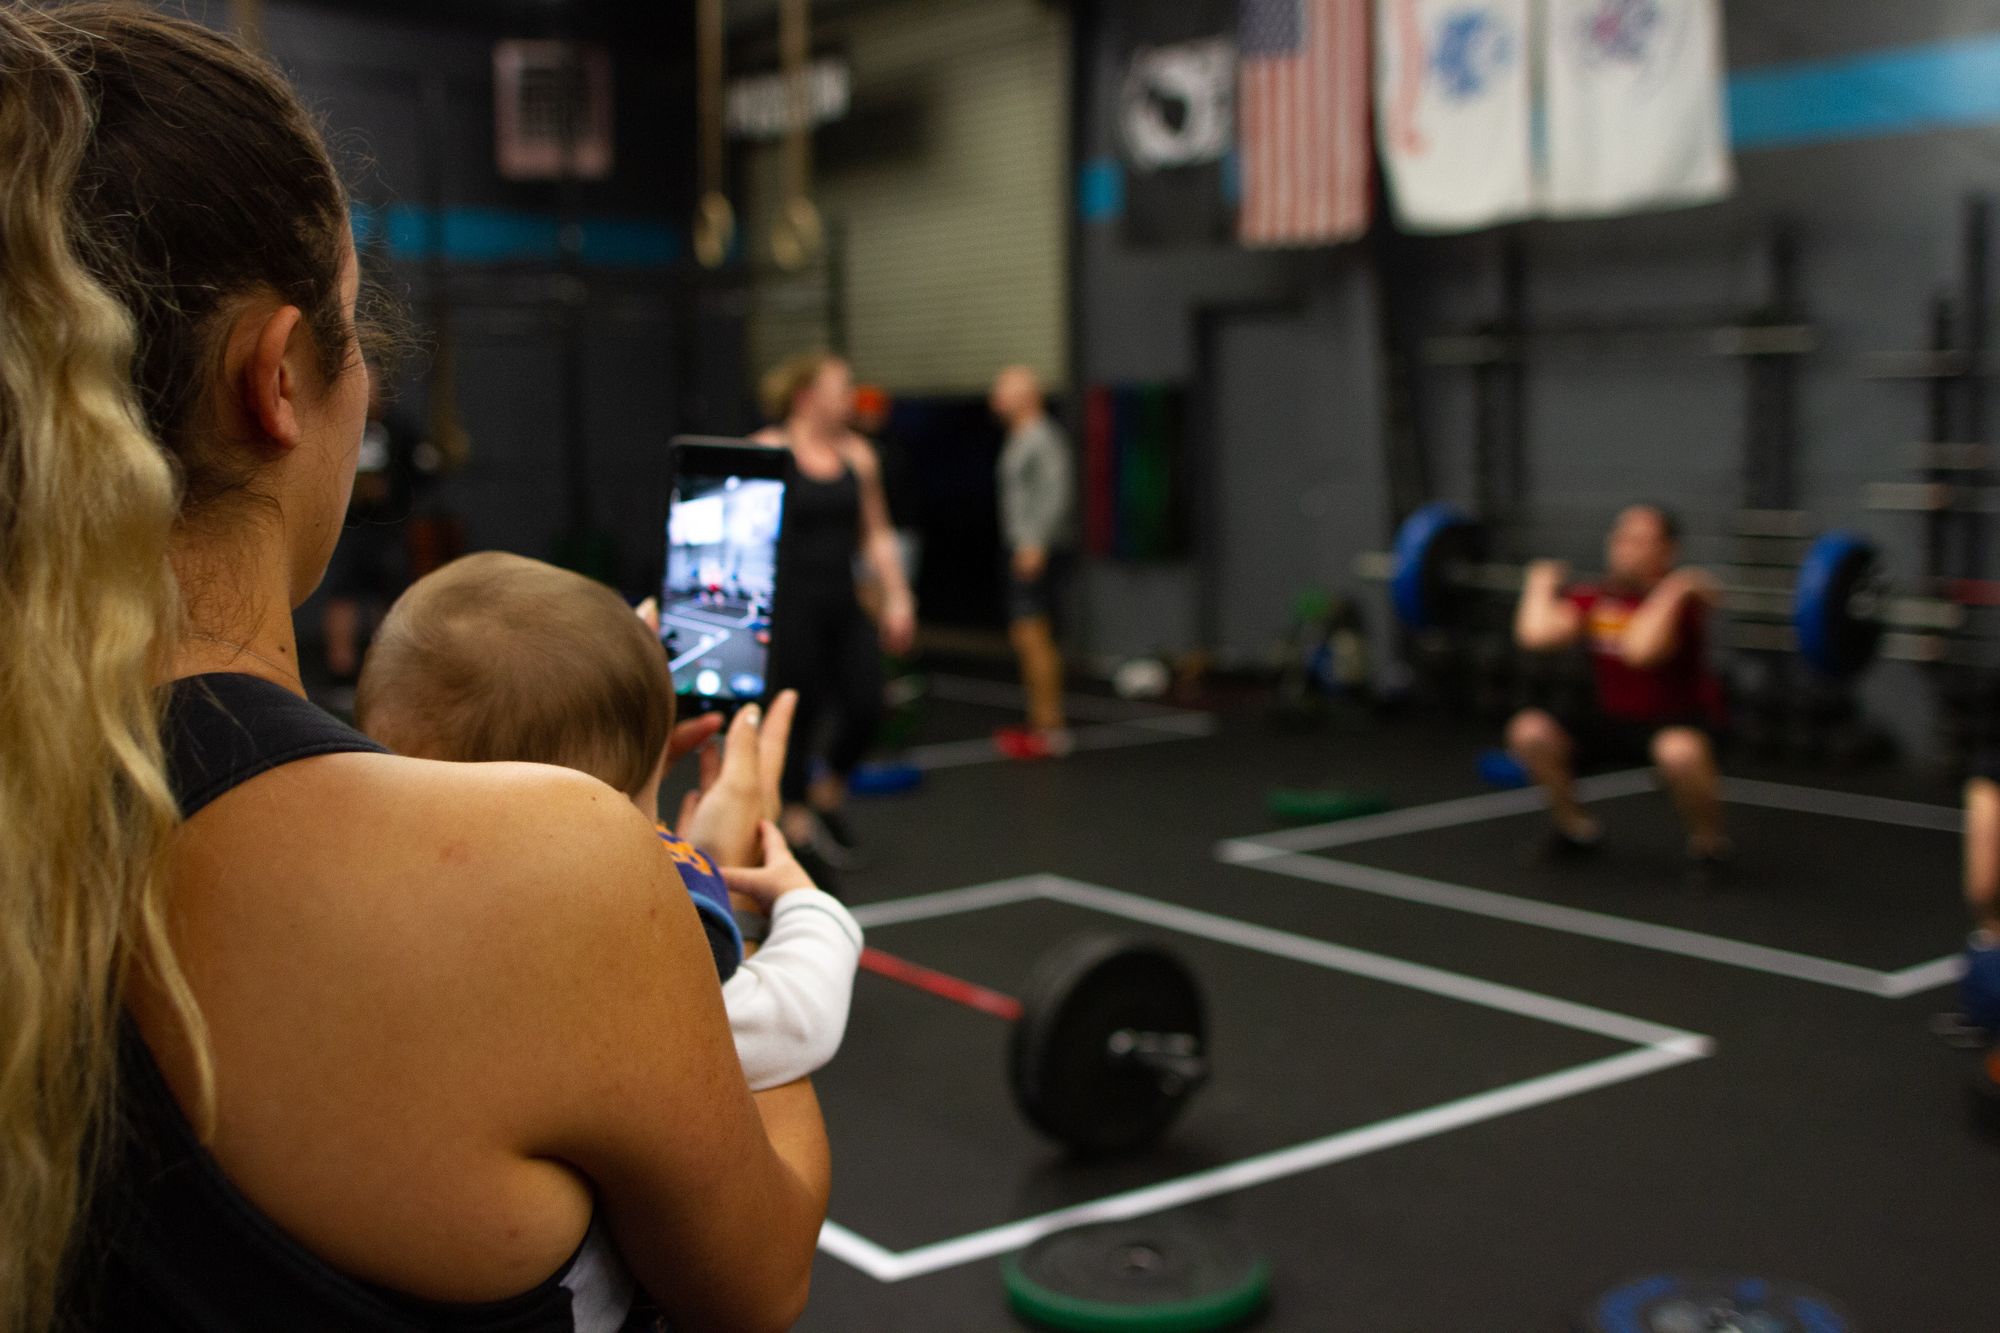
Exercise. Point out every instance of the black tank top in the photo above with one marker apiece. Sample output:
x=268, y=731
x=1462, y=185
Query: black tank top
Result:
x=167, y=1243
x=822, y=534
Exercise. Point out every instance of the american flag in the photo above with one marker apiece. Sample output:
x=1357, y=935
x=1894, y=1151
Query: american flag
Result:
x=1302, y=121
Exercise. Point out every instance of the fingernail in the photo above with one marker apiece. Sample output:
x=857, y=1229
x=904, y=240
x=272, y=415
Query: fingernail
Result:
x=753, y=713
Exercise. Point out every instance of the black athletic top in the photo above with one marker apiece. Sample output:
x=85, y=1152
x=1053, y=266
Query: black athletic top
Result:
x=822, y=533
x=167, y=1242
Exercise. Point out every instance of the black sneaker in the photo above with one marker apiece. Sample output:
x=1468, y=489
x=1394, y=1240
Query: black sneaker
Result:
x=1708, y=872
x=1555, y=847
x=818, y=870
x=833, y=839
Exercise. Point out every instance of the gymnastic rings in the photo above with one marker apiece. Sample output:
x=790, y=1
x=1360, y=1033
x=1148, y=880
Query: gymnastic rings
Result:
x=714, y=229
x=796, y=234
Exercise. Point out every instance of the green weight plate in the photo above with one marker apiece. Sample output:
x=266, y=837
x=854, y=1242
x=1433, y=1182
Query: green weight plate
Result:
x=1174, y=1273
x=1322, y=807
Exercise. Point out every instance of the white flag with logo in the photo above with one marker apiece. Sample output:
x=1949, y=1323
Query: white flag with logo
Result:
x=1454, y=110
x=1637, y=115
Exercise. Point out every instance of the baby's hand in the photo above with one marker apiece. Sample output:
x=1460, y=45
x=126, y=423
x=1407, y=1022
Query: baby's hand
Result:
x=778, y=876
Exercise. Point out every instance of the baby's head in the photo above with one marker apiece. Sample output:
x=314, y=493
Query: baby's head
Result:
x=498, y=657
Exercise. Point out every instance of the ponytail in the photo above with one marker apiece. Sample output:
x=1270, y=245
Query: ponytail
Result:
x=87, y=605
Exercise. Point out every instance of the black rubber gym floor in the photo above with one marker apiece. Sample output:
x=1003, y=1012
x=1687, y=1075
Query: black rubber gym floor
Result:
x=1466, y=1100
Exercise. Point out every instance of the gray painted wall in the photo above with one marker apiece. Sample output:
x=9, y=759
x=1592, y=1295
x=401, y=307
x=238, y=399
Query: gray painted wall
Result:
x=1297, y=441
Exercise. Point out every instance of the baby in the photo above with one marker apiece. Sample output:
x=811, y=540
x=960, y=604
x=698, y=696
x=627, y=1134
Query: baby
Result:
x=500, y=658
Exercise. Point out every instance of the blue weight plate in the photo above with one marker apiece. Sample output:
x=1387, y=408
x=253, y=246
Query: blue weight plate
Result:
x=1425, y=543
x=1979, y=988
x=1833, y=640
x=1680, y=1303
x=885, y=779
x=1497, y=768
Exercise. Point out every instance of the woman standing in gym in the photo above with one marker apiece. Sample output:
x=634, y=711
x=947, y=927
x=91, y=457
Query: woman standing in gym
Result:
x=293, y=1032
x=827, y=648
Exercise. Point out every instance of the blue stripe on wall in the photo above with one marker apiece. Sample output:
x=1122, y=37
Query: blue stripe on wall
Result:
x=492, y=235
x=1100, y=190
x=1943, y=85
x=1939, y=86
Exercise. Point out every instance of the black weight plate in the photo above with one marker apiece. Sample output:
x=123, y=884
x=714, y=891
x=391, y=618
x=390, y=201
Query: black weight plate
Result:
x=1174, y=1273
x=1064, y=1076
x=1679, y=1303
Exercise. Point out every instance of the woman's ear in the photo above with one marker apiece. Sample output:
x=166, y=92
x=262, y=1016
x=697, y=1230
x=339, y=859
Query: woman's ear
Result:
x=269, y=383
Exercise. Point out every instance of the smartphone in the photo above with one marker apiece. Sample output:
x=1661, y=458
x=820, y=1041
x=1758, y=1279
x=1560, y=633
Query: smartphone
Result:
x=725, y=514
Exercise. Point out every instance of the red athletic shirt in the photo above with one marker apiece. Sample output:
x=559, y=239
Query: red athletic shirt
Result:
x=1680, y=689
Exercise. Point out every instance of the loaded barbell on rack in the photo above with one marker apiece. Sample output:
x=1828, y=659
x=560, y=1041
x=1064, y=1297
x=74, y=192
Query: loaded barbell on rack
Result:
x=1841, y=611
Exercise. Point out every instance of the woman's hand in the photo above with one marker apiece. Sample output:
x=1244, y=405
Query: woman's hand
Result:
x=899, y=625
x=774, y=740
x=739, y=784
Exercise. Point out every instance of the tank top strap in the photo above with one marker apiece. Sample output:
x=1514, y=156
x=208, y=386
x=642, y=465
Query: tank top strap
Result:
x=225, y=728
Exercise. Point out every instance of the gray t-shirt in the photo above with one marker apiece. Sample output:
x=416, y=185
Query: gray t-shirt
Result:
x=1037, y=491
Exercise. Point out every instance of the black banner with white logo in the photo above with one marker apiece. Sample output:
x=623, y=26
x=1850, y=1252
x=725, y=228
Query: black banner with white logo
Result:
x=1175, y=118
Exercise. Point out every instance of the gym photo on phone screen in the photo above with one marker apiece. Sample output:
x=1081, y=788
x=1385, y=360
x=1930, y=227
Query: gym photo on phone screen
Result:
x=715, y=606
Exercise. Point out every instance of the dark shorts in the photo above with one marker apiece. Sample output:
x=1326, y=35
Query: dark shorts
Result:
x=1605, y=742
x=1040, y=598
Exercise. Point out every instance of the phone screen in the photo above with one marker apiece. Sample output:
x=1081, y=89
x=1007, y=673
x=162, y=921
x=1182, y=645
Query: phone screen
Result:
x=721, y=576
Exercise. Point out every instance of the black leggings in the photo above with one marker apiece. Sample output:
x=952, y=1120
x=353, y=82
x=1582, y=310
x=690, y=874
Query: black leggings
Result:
x=827, y=649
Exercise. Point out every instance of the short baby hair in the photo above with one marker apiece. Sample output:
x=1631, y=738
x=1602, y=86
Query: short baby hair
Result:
x=499, y=657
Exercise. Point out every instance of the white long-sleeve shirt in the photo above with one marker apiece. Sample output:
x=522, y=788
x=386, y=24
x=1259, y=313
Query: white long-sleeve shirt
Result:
x=788, y=1002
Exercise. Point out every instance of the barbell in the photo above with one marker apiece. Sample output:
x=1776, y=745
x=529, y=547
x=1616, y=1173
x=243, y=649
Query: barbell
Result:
x=1110, y=1038
x=1840, y=607
x=1111, y=1044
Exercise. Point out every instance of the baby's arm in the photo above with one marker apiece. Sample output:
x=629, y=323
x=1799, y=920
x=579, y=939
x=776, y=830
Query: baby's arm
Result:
x=788, y=1002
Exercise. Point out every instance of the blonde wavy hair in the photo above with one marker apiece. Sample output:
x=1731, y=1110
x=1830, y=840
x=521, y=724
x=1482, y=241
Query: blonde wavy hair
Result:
x=127, y=240
x=87, y=603
x=87, y=608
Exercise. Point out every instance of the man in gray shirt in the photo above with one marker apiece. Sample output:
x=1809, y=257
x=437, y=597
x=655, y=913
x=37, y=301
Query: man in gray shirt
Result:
x=1037, y=523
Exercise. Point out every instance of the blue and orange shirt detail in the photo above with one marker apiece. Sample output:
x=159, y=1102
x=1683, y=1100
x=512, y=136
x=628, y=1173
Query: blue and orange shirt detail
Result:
x=705, y=885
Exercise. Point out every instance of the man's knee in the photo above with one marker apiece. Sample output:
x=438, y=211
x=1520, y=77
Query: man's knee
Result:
x=1683, y=753
x=1534, y=732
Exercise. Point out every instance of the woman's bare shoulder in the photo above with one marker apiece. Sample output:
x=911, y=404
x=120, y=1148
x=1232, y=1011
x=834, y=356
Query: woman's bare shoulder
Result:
x=515, y=842
x=455, y=940
x=860, y=454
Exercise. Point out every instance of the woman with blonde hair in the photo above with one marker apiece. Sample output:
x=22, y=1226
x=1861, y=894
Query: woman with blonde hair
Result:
x=825, y=645
x=295, y=1033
